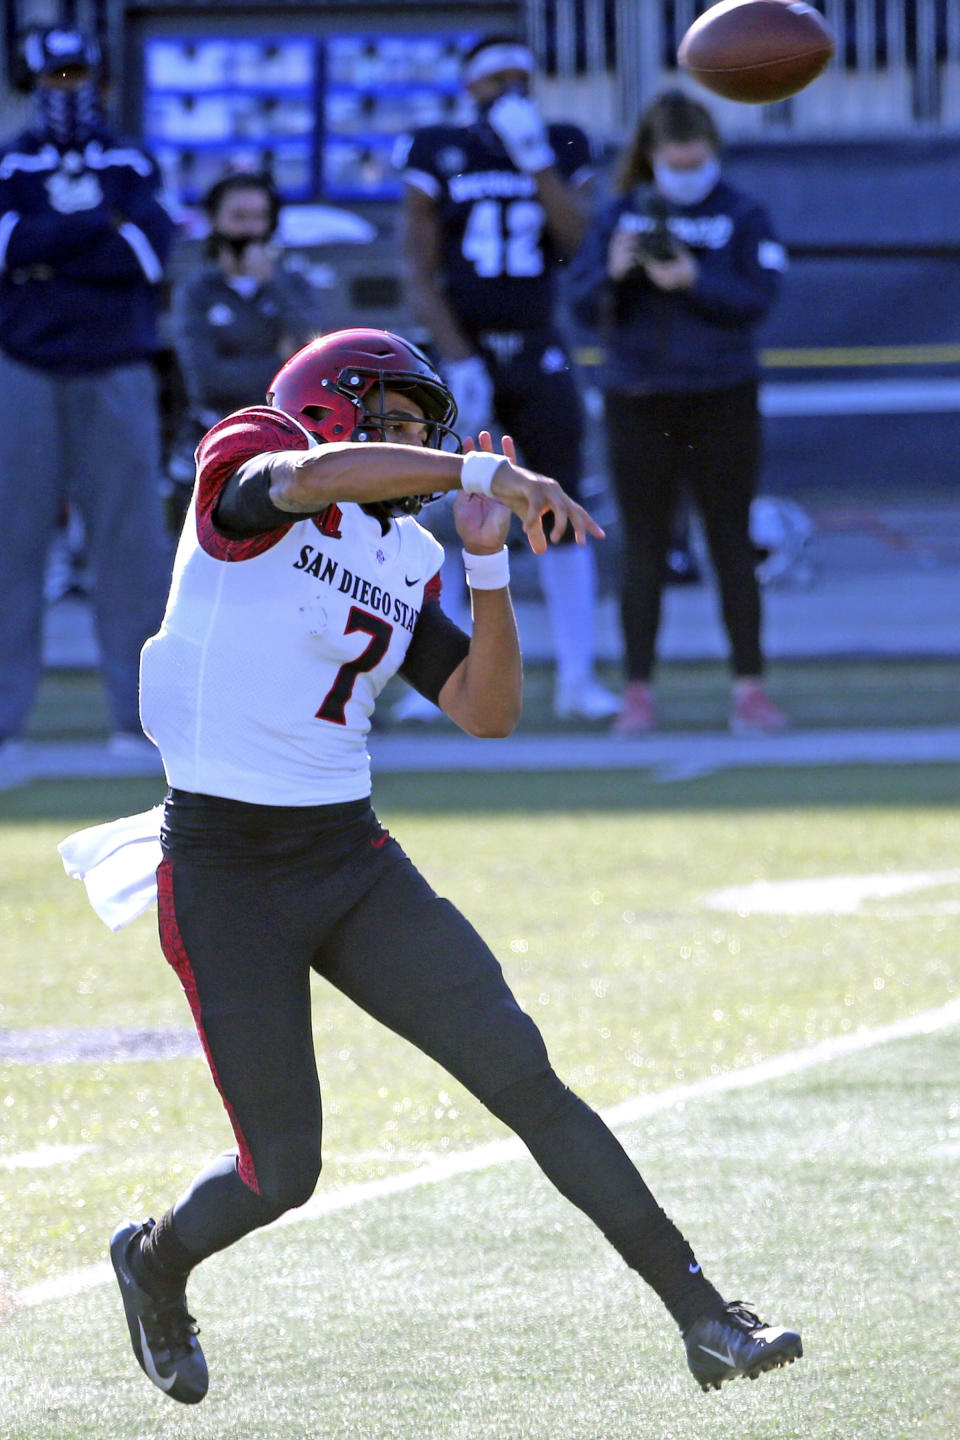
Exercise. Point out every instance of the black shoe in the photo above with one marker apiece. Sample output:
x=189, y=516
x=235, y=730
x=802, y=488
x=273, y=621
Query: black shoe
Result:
x=163, y=1335
x=736, y=1343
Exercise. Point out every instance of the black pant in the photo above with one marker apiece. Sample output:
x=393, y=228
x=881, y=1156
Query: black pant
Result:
x=536, y=401
x=709, y=441
x=254, y=898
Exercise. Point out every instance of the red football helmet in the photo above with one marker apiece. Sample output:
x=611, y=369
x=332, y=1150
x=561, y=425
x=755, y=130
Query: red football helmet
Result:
x=324, y=383
x=335, y=387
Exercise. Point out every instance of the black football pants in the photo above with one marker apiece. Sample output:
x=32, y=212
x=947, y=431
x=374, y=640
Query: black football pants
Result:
x=537, y=401
x=254, y=898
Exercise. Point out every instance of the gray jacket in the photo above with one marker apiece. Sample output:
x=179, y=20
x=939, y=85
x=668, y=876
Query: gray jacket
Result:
x=230, y=347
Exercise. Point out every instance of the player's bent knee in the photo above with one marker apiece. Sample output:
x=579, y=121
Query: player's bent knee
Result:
x=289, y=1179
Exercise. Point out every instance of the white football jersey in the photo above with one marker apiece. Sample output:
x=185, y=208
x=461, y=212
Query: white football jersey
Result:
x=263, y=677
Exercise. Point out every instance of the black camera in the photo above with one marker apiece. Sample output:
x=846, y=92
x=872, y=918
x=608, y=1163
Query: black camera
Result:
x=656, y=242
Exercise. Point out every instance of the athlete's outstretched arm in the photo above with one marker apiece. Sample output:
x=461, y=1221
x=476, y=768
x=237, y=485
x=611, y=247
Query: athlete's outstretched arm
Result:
x=304, y=482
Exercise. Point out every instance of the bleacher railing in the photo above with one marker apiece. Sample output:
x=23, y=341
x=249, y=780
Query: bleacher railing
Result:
x=896, y=68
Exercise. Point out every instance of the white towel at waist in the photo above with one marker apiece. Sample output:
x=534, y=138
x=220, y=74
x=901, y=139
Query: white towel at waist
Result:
x=117, y=862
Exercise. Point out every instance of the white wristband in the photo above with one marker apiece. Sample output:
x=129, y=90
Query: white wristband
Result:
x=487, y=572
x=478, y=470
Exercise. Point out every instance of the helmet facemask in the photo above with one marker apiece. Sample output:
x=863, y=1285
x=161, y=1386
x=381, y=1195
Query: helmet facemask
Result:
x=336, y=387
x=358, y=412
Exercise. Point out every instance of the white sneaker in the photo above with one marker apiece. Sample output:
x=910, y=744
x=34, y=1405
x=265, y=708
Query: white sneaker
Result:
x=585, y=701
x=416, y=707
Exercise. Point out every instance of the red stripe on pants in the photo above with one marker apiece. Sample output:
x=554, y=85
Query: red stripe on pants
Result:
x=175, y=952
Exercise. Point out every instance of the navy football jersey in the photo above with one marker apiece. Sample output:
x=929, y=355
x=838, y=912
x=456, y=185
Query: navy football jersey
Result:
x=497, y=258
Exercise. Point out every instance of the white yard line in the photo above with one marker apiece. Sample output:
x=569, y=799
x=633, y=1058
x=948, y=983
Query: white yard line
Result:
x=43, y=1157
x=500, y=1151
x=829, y=894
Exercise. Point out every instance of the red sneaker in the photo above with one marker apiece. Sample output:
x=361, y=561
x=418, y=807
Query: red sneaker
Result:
x=638, y=713
x=754, y=713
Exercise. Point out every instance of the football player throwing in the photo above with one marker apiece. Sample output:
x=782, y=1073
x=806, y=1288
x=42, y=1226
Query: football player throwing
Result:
x=303, y=582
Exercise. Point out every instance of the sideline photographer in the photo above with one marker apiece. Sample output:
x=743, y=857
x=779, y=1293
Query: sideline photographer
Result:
x=677, y=270
x=646, y=235
x=652, y=239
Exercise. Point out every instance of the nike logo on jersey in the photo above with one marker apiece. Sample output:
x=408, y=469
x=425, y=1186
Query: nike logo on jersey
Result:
x=727, y=1359
x=379, y=843
x=694, y=1269
x=165, y=1383
x=415, y=581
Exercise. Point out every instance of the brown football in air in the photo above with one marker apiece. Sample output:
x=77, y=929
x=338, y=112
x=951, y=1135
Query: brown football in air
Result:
x=757, y=51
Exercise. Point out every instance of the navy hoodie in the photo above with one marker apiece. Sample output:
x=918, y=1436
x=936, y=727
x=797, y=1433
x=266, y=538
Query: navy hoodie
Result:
x=674, y=342
x=83, y=242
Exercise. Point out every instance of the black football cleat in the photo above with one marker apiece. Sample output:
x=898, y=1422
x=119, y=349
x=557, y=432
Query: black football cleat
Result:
x=721, y=1347
x=163, y=1335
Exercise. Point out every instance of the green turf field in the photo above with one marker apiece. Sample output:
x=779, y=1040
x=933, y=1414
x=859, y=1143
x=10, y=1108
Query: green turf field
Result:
x=480, y=1305
x=691, y=696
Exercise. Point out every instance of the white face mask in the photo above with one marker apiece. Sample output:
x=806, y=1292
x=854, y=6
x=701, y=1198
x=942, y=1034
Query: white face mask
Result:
x=687, y=187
